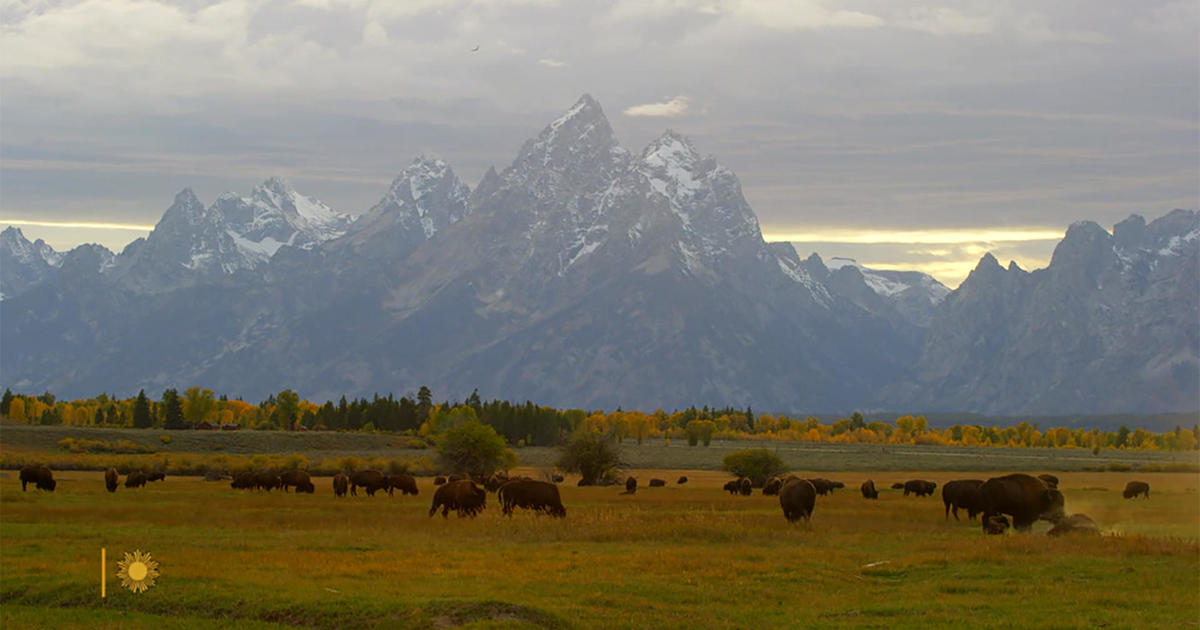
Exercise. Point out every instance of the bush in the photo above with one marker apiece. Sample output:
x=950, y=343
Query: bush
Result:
x=757, y=464
x=591, y=454
x=165, y=439
x=474, y=448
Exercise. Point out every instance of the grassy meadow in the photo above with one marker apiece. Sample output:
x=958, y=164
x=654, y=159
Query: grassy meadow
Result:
x=686, y=556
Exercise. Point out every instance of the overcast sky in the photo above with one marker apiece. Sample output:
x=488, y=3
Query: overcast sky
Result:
x=905, y=134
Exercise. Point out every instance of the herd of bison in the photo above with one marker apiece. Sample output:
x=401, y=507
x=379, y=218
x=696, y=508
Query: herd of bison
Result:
x=1024, y=498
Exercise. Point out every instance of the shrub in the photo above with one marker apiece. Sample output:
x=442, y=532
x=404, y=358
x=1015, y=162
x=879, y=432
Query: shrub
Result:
x=165, y=439
x=474, y=448
x=593, y=455
x=757, y=464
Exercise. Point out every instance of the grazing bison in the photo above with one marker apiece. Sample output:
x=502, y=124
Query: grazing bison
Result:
x=657, y=483
x=456, y=478
x=1134, y=488
x=1075, y=524
x=157, y=475
x=39, y=476
x=243, y=481
x=822, y=486
x=299, y=479
x=462, y=496
x=372, y=480
x=439, y=480
x=493, y=483
x=341, y=485
x=733, y=487
x=771, y=488
x=681, y=480
x=995, y=524
x=963, y=493
x=919, y=487
x=868, y=490
x=267, y=480
x=135, y=479
x=797, y=498
x=405, y=483
x=111, y=479
x=539, y=496
x=745, y=486
x=1023, y=497
x=630, y=485
x=834, y=485
x=1050, y=480
x=899, y=485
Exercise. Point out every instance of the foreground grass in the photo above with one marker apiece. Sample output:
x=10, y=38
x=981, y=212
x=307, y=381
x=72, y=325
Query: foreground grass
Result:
x=676, y=557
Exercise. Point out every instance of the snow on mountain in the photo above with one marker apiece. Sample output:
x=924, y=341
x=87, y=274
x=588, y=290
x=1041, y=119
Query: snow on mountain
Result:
x=275, y=215
x=23, y=264
x=888, y=283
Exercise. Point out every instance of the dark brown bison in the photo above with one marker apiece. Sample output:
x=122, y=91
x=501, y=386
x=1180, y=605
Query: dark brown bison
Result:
x=558, y=478
x=733, y=487
x=341, y=485
x=1023, y=497
x=405, y=483
x=1075, y=524
x=995, y=524
x=439, y=480
x=243, y=481
x=1134, y=488
x=797, y=498
x=456, y=477
x=39, y=476
x=963, y=493
x=771, y=488
x=868, y=490
x=298, y=479
x=822, y=486
x=111, y=479
x=493, y=483
x=462, y=496
x=372, y=480
x=539, y=496
x=630, y=485
x=267, y=480
x=834, y=485
x=681, y=480
x=919, y=487
x=658, y=483
x=1050, y=480
x=157, y=475
x=899, y=485
x=135, y=479
x=745, y=486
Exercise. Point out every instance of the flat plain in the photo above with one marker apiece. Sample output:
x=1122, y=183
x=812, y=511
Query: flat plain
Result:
x=681, y=556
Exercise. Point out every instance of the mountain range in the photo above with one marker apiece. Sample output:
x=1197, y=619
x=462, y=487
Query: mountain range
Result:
x=586, y=275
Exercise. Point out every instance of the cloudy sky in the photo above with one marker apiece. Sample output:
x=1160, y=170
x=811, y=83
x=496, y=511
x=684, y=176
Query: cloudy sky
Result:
x=904, y=134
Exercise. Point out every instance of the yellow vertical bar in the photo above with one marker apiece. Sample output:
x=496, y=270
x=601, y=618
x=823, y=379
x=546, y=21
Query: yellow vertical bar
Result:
x=103, y=577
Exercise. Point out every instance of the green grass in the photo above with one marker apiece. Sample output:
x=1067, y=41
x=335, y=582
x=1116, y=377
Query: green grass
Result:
x=675, y=557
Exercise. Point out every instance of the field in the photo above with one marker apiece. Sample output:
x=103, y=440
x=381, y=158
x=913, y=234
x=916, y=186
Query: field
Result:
x=685, y=556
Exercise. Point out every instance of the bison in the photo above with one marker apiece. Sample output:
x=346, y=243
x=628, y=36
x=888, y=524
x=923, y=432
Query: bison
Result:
x=1075, y=524
x=919, y=487
x=1050, y=480
x=822, y=486
x=745, y=486
x=657, y=483
x=1023, y=497
x=771, y=488
x=868, y=490
x=899, y=485
x=371, y=480
x=341, y=484
x=539, y=496
x=962, y=493
x=558, y=478
x=1134, y=488
x=797, y=498
x=733, y=487
x=462, y=496
x=299, y=479
x=111, y=479
x=405, y=483
x=995, y=524
x=439, y=480
x=243, y=481
x=630, y=485
x=39, y=476
x=157, y=475
x=681, y=480
x=135, y=479
x=267, y=480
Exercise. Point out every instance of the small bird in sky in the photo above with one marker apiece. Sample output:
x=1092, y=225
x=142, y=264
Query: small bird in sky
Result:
x=476, y=48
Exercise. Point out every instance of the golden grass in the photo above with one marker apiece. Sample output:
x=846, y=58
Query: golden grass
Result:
x=686, y=556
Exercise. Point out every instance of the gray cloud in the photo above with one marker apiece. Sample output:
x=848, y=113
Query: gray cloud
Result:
x=868, y=114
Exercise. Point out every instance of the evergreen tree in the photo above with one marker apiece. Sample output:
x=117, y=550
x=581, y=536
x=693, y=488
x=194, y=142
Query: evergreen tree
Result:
x=857, y=422
x=424, y=403
x=173, y=411
x=142, y=419
x=6, y=402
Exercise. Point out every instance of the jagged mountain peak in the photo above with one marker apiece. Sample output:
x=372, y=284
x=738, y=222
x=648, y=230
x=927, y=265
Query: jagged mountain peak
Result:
x=580, y=144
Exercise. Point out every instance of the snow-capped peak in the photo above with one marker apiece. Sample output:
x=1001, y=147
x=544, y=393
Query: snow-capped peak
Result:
x=888, y=283
x=580, y=143
x=14, y=243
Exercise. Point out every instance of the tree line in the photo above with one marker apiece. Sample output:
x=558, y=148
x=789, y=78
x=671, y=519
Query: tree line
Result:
x=528, y=424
